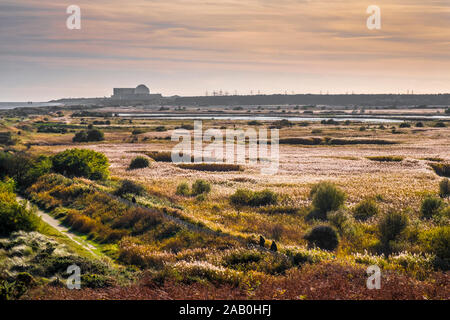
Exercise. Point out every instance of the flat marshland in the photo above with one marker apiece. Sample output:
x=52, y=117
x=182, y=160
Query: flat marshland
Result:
x=347, y=195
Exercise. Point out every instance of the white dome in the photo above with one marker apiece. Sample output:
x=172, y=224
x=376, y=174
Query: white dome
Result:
x=142, y=89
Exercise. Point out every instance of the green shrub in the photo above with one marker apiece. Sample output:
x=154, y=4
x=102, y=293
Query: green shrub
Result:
x=386, y=158
x=323, y=237
x=444, y=188
x=95, y=281
x=341, y=220
x=326, y=197
x=440, y=124
x=419, y=125
x=16, y=217
x=391, y=226
x=139, y=163
x=201, y=187
x=130, y=187
x=431, y=206
x=81, y=163
x=183, y=189
x=245, y=197
x=437, y=241
x=23, y=168
x=366, y=209
x=405, y=125
x=88, y=135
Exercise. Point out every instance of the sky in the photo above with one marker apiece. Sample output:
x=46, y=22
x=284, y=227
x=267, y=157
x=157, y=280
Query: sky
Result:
x=189, y=47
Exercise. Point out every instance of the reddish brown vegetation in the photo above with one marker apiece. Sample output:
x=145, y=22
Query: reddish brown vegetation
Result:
x=320, y=282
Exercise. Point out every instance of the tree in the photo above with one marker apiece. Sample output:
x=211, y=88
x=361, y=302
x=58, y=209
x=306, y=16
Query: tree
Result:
x=81, y=163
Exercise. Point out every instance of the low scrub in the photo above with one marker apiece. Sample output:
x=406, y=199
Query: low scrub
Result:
x=326, y=197
x=130, y=187
x=139, y=163
x=211, y=167
x=245, y=197
x=160, y=156
x=431, y=206
x=386, y=158
x=366, y=209
x=441, y=169
x=391, y=226
x=444, y=188
x=330, y=141
x=201, y=187
x=88, y=136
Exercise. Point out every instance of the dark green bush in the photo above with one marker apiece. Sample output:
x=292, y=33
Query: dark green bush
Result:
x=366, y=209
x=81, y=163
x=431, y=206
x=391, y=226
x=326, y=197
x=440, y=124
x=405, y=125
x=139, y=163
x=201, y=187
x=323, y=237
x=16, y=217
x=437, y=241
x=88, y=136
x=444, y=188
x=245, y=197
x=183, y=189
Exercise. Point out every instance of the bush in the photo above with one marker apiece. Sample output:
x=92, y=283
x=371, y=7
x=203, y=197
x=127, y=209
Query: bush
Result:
x=437, y=241
x=386, y=158
x=440, y=124
x=139, y=163
x=201, y=187
x=444, y=188
x=323, y=237
x=419, y=125
x=341, y=220
x=88, y=135
x=441, y=169
x=366, y=209
x=23, y=168
x=160, y=156
x=81, y=163
x=95, y=281
x=326, y=197
x=391, y=226
x=245, y=197
x=211, y=167
x=405, y=125
x=431, y=206
x=130, y=187
x=183, y=189
x=14, y=216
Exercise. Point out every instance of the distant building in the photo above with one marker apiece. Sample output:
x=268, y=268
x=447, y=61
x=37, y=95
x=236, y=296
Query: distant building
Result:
x=141, y=92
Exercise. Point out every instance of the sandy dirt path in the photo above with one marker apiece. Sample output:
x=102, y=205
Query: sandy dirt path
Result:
x=56, y=224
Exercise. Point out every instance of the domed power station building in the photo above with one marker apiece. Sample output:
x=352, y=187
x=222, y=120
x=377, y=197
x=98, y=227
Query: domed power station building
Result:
x=141, y=92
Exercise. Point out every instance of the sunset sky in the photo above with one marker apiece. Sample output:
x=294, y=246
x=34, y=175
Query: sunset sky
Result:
x=187, y=47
